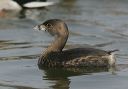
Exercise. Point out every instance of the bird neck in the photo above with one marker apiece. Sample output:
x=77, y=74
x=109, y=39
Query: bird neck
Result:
x=57, y=45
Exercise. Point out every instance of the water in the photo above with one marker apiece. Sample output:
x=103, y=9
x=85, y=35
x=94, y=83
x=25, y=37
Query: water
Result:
x=98, y=23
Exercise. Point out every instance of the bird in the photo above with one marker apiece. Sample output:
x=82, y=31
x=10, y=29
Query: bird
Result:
x=21, y=4
x=33, y=3
x=56, y=56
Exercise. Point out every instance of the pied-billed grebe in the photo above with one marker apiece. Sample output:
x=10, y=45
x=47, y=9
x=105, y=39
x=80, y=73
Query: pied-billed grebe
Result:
x=55, y=56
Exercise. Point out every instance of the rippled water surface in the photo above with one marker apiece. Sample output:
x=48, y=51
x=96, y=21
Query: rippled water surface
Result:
x=99, y=23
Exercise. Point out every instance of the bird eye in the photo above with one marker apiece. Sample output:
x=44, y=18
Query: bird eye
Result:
x=49, y=25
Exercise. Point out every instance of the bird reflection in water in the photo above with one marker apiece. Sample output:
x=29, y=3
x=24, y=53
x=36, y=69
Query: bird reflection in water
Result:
x=60, y=76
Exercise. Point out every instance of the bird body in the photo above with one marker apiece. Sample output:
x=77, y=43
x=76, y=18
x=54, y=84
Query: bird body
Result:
x=55, y=56
x=9, y=5
x=20, y=4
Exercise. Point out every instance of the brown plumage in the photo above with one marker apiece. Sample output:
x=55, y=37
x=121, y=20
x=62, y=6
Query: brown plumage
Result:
x=55, y=56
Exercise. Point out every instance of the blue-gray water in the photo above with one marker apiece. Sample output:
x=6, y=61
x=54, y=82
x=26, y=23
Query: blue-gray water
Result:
x=99, y=23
